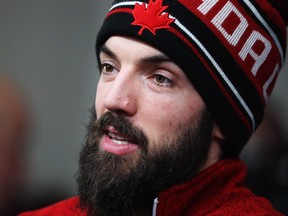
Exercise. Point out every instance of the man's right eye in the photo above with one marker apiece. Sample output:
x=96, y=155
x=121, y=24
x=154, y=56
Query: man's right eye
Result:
x=107, y=68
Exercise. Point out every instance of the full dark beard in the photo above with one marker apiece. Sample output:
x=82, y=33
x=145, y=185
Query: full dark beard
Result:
x=113, y=185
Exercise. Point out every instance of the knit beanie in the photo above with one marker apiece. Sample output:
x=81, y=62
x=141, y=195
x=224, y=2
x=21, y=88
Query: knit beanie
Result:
x=231, y=50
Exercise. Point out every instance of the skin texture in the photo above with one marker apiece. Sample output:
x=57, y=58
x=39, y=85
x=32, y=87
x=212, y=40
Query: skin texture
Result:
x=144, y=85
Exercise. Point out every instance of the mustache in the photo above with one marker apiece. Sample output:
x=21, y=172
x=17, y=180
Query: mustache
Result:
x=121, y=125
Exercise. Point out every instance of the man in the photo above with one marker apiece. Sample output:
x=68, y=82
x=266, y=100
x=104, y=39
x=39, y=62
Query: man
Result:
x=183, y=86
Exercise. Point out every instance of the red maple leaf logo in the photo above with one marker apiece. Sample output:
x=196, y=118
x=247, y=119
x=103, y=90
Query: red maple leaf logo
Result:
x=152, y=17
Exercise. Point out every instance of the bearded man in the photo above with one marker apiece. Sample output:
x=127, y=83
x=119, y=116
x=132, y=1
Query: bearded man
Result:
x=182, y=88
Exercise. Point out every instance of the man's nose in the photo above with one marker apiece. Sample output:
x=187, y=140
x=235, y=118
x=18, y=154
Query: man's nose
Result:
x=122, y=95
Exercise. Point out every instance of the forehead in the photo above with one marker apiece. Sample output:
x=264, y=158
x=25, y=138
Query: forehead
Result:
x=140, y=55
x=130, y=46
x=125, y=49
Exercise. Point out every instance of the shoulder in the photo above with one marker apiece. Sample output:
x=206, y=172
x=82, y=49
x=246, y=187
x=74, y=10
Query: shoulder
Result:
x=66, y=207
x=249, y=206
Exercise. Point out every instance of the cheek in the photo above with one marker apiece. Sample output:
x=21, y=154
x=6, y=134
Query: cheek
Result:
x=99, y=99
x=164, y=117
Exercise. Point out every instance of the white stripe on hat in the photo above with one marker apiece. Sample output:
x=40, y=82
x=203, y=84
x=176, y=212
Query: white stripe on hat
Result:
x=130, y=3
x=220, y=71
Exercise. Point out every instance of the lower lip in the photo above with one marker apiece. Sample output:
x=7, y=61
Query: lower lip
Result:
x=106, y=144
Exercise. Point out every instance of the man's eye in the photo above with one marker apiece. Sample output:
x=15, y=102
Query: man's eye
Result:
x=107, y=68
x=162, y=80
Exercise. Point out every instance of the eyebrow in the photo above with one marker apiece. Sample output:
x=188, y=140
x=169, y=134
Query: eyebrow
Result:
x=107, y=51
x=157, y=58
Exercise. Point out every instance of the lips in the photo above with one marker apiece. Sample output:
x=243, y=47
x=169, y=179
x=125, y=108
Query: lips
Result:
x=118, y=139
x=116, y=143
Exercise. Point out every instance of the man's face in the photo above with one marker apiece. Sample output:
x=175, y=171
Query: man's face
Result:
x=142, y=84
x=150, y=130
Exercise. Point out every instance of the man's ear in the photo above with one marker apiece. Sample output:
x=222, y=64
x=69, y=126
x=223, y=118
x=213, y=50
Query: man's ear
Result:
x=217, y=133
x=215, y=148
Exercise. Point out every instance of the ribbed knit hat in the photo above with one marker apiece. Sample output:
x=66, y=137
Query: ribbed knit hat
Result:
x=231, y=50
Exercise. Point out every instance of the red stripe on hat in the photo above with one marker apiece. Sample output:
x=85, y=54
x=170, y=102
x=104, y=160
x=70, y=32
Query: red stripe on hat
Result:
x=219, y=83
x=120, y=10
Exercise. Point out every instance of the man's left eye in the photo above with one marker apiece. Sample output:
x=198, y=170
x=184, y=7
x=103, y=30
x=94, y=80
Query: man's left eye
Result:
x=107, y=68
x=162, y=80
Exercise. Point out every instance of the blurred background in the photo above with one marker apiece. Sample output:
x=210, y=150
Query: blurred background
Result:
x=47, y=60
